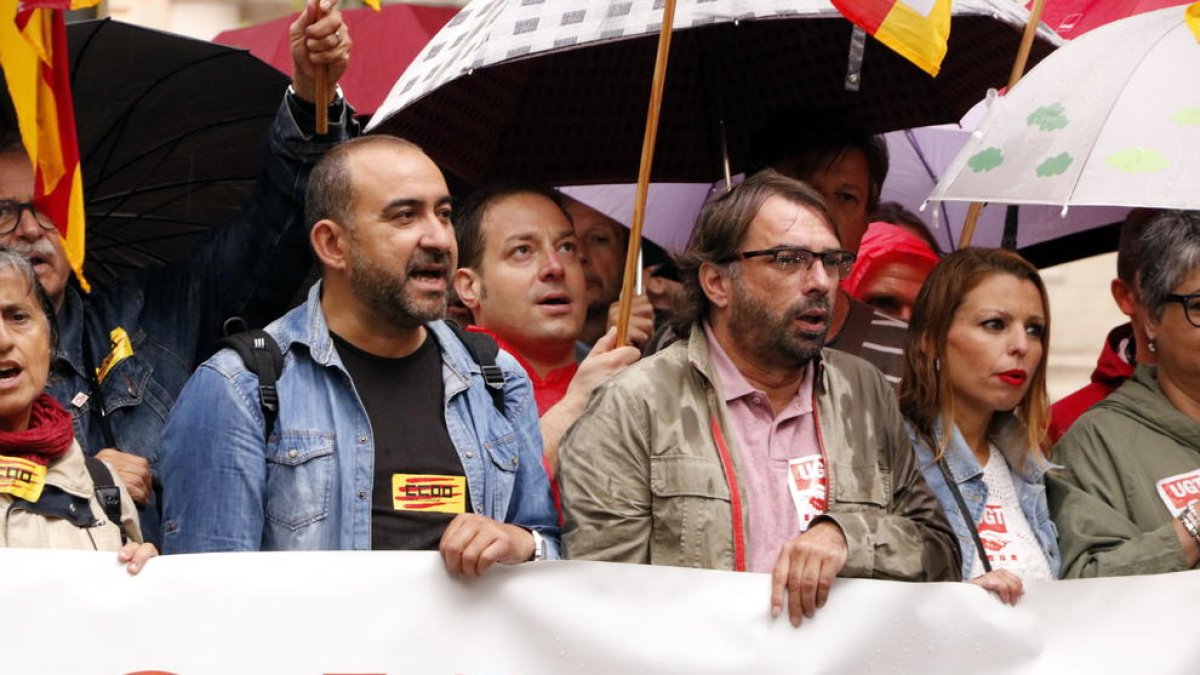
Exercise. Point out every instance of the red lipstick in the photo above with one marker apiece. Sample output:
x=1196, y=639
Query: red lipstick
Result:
x=1015, y=377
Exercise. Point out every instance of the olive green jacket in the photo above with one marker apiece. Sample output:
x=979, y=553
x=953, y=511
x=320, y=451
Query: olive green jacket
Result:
x=644, y=479
x=1105, y=501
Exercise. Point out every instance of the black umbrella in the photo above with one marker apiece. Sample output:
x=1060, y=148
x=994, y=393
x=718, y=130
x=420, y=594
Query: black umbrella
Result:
x=170, y=138
x=558, y=91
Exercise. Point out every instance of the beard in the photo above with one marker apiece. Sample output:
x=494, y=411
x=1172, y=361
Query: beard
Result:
x=390, y=296
x=774, y=336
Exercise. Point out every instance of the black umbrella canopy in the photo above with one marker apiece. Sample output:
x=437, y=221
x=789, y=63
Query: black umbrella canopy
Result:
x=578, y=115
x=171, y=136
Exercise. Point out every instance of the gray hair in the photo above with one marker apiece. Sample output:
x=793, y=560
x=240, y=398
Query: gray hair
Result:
x=1170, y=251
x=20, y=264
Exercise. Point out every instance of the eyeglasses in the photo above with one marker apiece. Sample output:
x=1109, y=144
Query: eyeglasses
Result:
x=1191, y=306
x=10, y=215
x=792, y=258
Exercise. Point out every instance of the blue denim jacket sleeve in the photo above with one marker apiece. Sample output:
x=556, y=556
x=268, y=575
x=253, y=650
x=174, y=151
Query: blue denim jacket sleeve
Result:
x=531, y=506
x=214, y=480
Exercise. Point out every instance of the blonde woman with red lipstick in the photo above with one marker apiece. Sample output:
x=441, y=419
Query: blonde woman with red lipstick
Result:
x=975, y=403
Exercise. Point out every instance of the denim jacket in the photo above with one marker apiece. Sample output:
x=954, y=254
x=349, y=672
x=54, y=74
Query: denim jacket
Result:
x=307, y=484
x=171, y=315
x=1030, y=487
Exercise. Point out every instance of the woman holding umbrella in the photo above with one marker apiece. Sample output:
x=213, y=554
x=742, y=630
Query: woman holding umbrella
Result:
x=1129, y=500
x=47, y=495
x=974, y=398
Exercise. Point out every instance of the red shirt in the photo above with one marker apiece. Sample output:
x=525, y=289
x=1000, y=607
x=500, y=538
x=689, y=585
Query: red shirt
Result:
x=546, y=392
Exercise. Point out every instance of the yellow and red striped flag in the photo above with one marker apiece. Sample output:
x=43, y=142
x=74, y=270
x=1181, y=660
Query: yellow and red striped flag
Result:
x=33, y=53
x=915, y=29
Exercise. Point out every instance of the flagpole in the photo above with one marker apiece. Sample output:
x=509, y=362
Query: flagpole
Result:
x=632, y=254
x=1018, y=69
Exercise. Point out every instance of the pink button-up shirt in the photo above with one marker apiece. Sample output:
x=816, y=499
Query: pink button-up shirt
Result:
x=767, y=446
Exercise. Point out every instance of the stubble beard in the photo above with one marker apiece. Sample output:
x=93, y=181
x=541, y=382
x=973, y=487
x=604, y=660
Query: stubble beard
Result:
x=773, y=336
x=390, y=297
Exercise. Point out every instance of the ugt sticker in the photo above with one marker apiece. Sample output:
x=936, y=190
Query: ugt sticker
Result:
x=1179, y=491
x=807, y=485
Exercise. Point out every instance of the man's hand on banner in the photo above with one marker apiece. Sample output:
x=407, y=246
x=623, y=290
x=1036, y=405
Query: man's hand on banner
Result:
x=473, y=543
x=805, y=569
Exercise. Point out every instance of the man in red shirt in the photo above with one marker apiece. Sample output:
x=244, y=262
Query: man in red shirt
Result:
x=522, y=278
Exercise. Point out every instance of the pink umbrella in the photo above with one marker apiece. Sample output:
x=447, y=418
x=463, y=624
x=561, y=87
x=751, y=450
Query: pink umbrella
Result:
x=384, y=42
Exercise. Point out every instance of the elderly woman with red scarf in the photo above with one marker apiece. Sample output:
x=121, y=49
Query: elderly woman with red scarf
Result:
x=48, y=498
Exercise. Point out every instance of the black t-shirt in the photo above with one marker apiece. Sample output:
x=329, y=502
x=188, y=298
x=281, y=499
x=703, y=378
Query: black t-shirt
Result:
x=419, y=481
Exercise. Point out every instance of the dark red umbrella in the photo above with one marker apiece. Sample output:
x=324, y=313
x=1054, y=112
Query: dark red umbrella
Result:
x=1072, y=18
x=385, y=43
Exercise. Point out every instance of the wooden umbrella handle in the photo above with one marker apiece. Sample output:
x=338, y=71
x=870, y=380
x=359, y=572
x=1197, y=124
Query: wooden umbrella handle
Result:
x=1018, y=69
x=643, y=185
x=321, y=87
x=321, y=84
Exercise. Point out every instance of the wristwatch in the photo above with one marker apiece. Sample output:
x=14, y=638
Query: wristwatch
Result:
x=1189, y=517
x=539, y=546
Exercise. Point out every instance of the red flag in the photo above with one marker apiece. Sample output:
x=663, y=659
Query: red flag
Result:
x=916, y=29
x=33, y=53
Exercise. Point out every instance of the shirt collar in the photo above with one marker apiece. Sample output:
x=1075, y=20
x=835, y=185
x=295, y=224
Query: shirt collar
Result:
x=734, y=385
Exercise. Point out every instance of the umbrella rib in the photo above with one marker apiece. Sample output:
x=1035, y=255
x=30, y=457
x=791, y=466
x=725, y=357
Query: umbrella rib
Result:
x=163, y=186
x=197, y=225
x=124, y=243
x=1108, y=113
x=912, y=141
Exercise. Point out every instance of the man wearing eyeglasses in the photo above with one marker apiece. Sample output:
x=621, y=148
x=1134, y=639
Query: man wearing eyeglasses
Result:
x=126, y=350
x=748, y=446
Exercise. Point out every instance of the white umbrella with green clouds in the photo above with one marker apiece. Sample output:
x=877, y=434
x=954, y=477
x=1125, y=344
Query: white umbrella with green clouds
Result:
x=1111, y=119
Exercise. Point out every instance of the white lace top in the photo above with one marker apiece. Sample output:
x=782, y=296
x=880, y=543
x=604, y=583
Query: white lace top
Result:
x=1007, y=537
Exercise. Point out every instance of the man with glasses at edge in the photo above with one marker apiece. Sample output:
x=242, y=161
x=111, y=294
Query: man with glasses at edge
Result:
x=748, y=445
x=125, y=350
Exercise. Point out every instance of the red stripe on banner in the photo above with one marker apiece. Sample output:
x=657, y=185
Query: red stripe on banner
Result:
x=866, y=14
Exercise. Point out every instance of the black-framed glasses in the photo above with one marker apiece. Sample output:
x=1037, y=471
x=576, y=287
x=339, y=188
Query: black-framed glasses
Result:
x=1191, y=306
x=10, y=215
x=837, y=262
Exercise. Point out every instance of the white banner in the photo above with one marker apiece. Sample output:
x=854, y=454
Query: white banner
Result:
x=385, y=612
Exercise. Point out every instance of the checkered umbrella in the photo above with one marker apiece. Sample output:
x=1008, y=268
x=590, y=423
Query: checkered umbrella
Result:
x=558, y=90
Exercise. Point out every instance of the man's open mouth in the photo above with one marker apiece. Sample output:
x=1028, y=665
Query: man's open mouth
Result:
x=555, y=299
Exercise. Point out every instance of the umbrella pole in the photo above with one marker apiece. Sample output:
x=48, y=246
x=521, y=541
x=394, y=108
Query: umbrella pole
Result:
x=1035, y=18
x=633, y=253
x=321, y=85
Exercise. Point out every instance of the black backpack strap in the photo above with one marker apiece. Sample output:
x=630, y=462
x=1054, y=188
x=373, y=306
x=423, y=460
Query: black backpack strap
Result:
x=261, y=354
x=483, y=350
x=107, y=493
